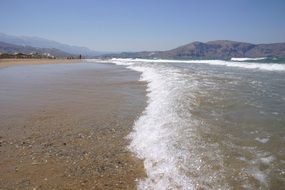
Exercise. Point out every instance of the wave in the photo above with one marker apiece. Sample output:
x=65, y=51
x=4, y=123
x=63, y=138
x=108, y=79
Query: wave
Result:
x=247, y=59
x=153, y=138
x=153, y=134
x=159, y=135
x=245, y=65
x=167, y=137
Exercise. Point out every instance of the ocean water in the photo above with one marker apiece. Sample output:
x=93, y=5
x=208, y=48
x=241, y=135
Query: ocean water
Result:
x=210, y=124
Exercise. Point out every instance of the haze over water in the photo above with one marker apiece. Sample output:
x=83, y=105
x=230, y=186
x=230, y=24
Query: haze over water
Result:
x=211, y=124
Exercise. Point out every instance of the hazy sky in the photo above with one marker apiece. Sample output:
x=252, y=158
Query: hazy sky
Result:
x=133, y=25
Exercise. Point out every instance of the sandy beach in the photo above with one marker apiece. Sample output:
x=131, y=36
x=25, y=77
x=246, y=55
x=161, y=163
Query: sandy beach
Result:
x=17, y=62
x=64, y=126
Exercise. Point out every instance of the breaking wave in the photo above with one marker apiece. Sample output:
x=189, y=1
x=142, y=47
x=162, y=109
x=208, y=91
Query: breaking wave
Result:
x=246, y=65
x=183, y=150
x=247, y=59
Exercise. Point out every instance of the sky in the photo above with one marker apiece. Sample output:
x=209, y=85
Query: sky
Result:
x=137, y=25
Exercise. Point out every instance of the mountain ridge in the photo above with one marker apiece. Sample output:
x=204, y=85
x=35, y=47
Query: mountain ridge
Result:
x=217, y=49
x=7, y=48
x=38, y=42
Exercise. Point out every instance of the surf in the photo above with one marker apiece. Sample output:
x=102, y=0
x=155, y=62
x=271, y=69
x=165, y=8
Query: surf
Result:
x=245, y=65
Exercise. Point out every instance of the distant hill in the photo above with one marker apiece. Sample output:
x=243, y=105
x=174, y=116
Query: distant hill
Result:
x=44, y=43
x=220, y=49
x=13, y=49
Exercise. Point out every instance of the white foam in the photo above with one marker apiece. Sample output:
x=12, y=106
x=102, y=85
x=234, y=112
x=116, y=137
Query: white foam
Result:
x=262, y=140
x=247, y=59
x=246, y=65
x=267, y=160
x=259, y=175
x=153, y=134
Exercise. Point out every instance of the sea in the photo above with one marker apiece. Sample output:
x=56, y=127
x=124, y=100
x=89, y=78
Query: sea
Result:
x=210, y=124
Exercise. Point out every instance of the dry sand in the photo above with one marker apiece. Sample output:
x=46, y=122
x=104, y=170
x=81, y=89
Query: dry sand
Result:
x=63, y=126
x=15, y=62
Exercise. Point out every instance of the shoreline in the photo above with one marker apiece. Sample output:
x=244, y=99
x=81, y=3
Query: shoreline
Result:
x=67, y=129
x=16, y=62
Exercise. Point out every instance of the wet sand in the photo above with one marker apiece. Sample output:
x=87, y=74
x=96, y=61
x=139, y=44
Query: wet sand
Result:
x=64, y=126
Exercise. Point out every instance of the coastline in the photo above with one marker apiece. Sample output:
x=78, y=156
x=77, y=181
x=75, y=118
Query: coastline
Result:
x=67, y=129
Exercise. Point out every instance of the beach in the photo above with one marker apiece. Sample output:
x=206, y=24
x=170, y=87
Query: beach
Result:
x=18, y=62
x=65, y=126
x=142, y=124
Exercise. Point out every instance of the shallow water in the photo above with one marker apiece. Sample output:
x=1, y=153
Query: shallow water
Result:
x=211, y=124
x=62, y=126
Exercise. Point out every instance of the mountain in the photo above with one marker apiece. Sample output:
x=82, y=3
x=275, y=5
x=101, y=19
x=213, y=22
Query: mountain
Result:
x=220, y=49
x=12, y=49
x=44, y=43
